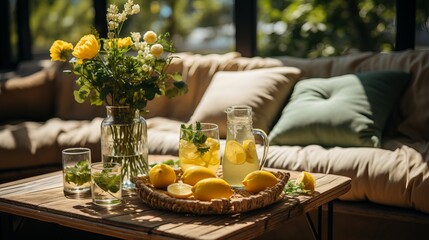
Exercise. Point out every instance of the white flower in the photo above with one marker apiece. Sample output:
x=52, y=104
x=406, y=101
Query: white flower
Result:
x=113, y=9
x=136, y=9
x=136, y=36
x=112, y=25
x=149, y=57
x=146, y=68
x=122, y=17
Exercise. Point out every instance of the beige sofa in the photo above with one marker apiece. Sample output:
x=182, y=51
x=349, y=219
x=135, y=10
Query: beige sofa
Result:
x=39, y=118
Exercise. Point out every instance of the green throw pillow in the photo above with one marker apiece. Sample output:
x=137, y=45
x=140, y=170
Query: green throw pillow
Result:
x=349, y=110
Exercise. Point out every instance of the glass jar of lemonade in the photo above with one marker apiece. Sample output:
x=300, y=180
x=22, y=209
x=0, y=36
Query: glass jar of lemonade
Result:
x=199, y=146
x=240, y=157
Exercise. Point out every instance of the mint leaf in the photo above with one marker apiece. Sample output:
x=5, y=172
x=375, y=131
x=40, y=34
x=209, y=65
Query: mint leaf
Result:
x=107, y=182
x=196, y=136
x=78, y=174
x=294, y=188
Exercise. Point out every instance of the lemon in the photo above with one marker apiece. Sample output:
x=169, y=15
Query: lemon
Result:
x=162, y=175
x=259, y=180
x=179, y=190
x=307, y=181
x=212, y=188
x=196, y=173
x=250, y=148
x=235, y=153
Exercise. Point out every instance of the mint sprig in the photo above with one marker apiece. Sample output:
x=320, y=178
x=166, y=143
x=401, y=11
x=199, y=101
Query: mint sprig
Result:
x=78, y=174
x=196, y=136
x=294, y=188
x=107, y=182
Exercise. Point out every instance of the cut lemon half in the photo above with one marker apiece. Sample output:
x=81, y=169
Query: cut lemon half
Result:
x=250, y=148
x=307, y=181
x=235, y=153
x=179, y=190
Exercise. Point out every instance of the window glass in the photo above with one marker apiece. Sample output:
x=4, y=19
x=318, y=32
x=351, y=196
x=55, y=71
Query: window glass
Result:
x=313, y=28
x=199, y=26
x=51, y=20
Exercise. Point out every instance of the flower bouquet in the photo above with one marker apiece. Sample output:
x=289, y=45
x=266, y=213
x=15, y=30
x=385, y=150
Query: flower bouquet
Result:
x=124, y=73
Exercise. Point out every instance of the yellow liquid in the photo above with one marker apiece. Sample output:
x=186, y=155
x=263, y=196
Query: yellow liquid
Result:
x=189, y=155
x=235, y=173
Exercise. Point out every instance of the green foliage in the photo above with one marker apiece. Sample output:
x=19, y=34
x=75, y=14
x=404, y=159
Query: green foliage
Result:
x=78, y=174
x=107, y=181
x=293, y=188
x=195, y=136
x=315, y=28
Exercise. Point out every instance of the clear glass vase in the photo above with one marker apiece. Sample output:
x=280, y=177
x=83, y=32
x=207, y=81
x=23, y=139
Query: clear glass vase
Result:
x=124, y=140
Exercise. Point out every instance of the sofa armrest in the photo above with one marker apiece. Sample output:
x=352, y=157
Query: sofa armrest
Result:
x=28, y=96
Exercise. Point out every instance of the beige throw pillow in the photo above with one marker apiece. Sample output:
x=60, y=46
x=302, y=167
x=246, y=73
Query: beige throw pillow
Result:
x=265, y=90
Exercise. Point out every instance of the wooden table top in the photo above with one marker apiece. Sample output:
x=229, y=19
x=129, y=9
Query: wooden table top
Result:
x=42, y=198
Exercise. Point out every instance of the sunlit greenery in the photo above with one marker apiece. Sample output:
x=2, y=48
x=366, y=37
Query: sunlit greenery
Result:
x=313, y=28
x=302, y=28
x=51, y=19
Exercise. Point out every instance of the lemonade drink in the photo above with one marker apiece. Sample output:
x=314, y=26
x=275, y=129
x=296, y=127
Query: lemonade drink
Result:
x=240, y=157
x=199, y=147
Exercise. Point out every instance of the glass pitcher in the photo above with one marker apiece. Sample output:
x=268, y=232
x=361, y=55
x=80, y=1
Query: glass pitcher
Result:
x=240, y=157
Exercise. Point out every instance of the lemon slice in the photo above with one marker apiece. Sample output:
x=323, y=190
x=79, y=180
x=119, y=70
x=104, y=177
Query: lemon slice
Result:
x=188, y=150
x=235, y=153
x=250, y=148
x=215, y=159
x=179, y=190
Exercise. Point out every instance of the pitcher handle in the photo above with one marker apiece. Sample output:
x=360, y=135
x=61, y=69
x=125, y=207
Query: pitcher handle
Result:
x=264, y=137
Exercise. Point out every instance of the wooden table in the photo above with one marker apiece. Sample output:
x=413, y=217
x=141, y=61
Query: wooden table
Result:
x=42, y=198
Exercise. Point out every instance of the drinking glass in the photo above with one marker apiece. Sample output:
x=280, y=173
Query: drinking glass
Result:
x=76, y=172
x=199, y=146
x=106, y=183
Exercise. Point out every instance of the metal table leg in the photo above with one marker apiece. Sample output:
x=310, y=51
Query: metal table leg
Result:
x=317, y=234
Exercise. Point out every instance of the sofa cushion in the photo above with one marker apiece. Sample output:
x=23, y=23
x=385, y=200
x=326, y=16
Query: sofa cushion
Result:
x=34, y=144
x=199, y=70
x=348, y=110
x=397, y=177
x=409, y=120
x=29, y=97
x=163, y=136
x=265, y=90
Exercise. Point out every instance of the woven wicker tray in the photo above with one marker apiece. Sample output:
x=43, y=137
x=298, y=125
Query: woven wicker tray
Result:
x=241, y=200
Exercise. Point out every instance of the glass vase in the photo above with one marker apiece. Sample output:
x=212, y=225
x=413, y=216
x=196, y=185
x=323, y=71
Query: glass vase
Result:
x=124, y=140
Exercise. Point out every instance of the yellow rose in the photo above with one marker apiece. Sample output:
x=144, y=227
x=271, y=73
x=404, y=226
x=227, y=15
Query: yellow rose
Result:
x=157, y=50
x=124, y=42
x=150, y=37
x=87, y=47
x=60, y=50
